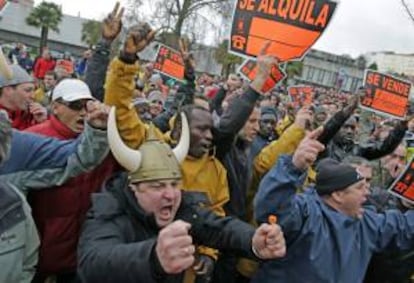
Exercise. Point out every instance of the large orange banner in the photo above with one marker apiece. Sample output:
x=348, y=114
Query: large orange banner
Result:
x=291, y=26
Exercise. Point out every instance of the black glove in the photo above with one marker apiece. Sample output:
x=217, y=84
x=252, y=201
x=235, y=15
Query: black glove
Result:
x=204, y=268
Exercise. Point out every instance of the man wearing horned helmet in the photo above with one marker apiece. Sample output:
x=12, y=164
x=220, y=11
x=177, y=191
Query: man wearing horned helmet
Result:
x=144, y=228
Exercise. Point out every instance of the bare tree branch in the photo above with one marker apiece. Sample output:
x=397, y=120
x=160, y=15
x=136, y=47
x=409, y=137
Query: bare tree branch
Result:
x=201, y=4
x=407, y=8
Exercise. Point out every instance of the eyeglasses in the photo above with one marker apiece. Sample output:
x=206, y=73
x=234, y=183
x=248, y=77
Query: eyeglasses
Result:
x=76, y=105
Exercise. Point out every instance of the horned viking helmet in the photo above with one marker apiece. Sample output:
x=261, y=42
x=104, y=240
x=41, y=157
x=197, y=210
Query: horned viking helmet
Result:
x=154, y=160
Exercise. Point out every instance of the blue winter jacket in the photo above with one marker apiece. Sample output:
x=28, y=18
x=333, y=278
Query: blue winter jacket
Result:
x=323, y=245
x=37, y=162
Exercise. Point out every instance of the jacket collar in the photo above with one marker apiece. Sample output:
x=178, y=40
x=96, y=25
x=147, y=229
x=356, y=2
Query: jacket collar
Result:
x=62, y=129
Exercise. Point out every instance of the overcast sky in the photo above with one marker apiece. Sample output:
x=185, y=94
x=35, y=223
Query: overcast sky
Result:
x=359, y=26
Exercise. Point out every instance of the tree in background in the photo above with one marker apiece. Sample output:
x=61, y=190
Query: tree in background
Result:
x=407, y=7
x=227, y=60
x=373, y=66
x=293, y=69
x=91, y=32
x=174, y=15
x=45, y=16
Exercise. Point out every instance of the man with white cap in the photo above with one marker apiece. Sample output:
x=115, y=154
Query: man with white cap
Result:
x=17, y=96
x=33, y=162
x=61, y=209
x=68, y=108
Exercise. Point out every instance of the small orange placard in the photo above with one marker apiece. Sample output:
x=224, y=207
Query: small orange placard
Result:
x=403, y=186
x=386, y=94
x=291, y=26
x=169, y=62
x=301, y=94
x=249, y=69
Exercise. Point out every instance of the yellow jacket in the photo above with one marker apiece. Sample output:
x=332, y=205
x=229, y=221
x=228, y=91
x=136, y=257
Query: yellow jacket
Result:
x=205, y=174
x=264, y=161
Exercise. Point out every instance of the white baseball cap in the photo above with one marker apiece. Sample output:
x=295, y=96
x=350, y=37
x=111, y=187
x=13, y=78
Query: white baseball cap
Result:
x=71, y=90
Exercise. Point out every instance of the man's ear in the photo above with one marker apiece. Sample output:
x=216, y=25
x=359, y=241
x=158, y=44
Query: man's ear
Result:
x=337, y=197
x=54, y=108
x=6, y=91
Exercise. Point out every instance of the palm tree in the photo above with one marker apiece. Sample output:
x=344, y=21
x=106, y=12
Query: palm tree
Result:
x=91, y=32
x=227, y=60
x=45, y=16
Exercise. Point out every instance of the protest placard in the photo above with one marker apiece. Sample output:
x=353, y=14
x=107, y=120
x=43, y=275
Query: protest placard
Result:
x=291, y=26
x=301, y=94
x=385, y=94
x=249, y=69
x=403, y=186
x=169, y=62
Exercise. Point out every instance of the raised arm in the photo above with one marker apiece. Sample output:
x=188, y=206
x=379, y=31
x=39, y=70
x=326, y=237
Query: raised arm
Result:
x=119, y=85
x=393, y=230
x=276, y=195
x=38, y=162
x=98, y=64
x=185, y=92
x=388, y=145
x=240, y=108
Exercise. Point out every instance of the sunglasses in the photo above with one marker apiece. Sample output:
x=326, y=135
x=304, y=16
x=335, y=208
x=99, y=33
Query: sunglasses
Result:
x=76, y=105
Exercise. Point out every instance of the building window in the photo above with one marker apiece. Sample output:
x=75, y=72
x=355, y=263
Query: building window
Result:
x=356, y=83
x=311, y=72
x=321, y=76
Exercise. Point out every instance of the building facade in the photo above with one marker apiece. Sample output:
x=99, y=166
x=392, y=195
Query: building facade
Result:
x=332, y=71
x=13, y=28
x=390, y=62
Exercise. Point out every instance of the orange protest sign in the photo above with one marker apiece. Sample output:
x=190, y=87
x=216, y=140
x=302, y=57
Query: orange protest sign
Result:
x=403, y=186
x=249, y=69
x=169, y=62
x=301, y=94
x=386, y=94
x=291, y=26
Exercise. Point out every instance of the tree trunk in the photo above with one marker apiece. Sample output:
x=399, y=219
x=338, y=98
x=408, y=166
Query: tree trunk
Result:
x=181, y=17
x=179, y=25
x=43, y=39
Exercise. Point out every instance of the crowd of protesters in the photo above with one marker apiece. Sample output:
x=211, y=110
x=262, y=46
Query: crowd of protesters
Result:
x=112, y=172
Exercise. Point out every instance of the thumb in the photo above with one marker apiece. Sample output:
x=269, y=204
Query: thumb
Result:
x=264, y=229
x=316, y=133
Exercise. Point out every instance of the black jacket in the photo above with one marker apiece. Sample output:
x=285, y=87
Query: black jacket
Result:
x=118, y=241
x=234, y=152
x=97, y=67
x=337, y=150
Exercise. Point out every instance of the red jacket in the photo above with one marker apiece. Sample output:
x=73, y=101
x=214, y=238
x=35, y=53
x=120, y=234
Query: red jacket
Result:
x=20, y=119
x=59, y=212
x=42, y=66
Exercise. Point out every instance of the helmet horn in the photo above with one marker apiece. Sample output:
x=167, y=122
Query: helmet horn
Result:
x=181, y=150
x=130, y=159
